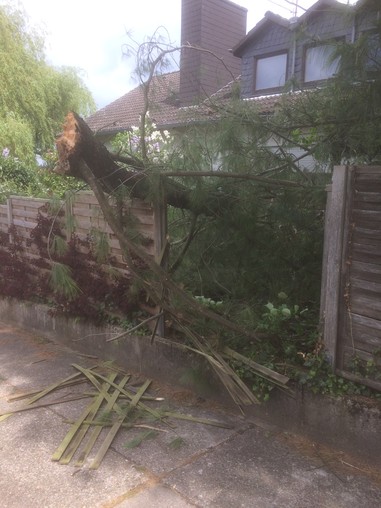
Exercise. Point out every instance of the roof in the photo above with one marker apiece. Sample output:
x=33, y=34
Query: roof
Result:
x=125, y=112
x=165, y=108
x=269, y=17
x=215, y=106
x=320, y=6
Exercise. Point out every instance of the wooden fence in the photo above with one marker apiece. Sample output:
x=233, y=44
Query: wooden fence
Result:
x=86, y=215
x=351, y=282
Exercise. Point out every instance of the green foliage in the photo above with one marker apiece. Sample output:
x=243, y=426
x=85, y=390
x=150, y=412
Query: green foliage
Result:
x=343, y=117
x=318, y=376
x=176, y=443
x=101, y=245
x=264, y=243
x=22, y=178
x=34, y=97
x=15, y=177
x=208, y=302
x=61, y=281
x=138, y=440
x=366, y=368
x=58, y=246
x=291, y=345
x=257, y=257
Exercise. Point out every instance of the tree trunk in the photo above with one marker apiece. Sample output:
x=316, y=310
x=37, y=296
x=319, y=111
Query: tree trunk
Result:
x=77, y=143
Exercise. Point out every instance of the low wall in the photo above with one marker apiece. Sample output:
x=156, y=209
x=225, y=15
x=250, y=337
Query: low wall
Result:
x=351, y=425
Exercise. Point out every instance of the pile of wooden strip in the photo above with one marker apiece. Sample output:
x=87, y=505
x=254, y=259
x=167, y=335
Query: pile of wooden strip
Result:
x=114, y=397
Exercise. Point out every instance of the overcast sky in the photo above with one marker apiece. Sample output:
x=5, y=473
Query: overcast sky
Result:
x=89, y=34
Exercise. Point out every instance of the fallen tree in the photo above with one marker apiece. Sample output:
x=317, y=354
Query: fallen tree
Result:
x=77, y=144
x=82, y=156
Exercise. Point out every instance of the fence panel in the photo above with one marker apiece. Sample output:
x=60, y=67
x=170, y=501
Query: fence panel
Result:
x=4, y=223
x=86, y=217
x=351, y=310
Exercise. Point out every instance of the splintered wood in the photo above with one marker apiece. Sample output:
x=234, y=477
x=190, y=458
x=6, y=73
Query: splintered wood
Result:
x=68, y=140
x=116, y=403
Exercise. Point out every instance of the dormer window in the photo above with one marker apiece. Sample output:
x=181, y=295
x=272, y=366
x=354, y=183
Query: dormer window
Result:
x=318, y=63
x=270, y=72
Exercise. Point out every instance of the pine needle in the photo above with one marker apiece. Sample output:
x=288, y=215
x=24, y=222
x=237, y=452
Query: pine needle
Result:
x=58, y=245
x=101, y=246
x=62, y=282
x=138, y=440
x=176, y=443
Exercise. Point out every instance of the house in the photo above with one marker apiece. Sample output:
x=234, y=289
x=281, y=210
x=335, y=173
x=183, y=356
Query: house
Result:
x=275, y=56
x=284, y=59
x=211, y=26
x=298, y=51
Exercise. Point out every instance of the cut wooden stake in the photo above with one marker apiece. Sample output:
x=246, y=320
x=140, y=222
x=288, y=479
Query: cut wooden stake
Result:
x=47, y=390
x=46, y=404
x=260, y=370
x=114, y=429
x=25, y=395
x=95, y=433
x=93, y=378
x=87, y=413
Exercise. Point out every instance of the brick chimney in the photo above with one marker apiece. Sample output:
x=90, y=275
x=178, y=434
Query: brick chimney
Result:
x=216, y=26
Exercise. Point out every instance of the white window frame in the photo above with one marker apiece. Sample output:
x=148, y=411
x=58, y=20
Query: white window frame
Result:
x=263, y=65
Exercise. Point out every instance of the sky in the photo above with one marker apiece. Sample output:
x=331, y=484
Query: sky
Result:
x=89, y=35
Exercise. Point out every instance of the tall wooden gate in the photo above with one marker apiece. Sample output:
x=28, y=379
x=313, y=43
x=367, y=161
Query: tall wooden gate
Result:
x=351, y=284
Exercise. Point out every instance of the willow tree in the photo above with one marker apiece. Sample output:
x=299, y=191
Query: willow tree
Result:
x=34, y=96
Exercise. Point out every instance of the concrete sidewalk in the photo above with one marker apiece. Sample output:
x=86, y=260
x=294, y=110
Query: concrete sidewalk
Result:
x=250, y=464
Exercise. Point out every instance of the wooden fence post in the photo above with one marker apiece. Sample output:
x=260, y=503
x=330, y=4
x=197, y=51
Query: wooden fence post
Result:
x=332, y=259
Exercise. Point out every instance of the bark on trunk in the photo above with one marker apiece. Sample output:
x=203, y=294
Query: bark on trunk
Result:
x=77, y=144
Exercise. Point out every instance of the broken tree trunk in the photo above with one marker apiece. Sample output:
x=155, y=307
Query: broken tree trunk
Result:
x=83, y=157
x=77, y=144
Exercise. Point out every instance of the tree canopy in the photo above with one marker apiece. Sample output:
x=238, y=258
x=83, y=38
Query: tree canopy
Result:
x=34, y=96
